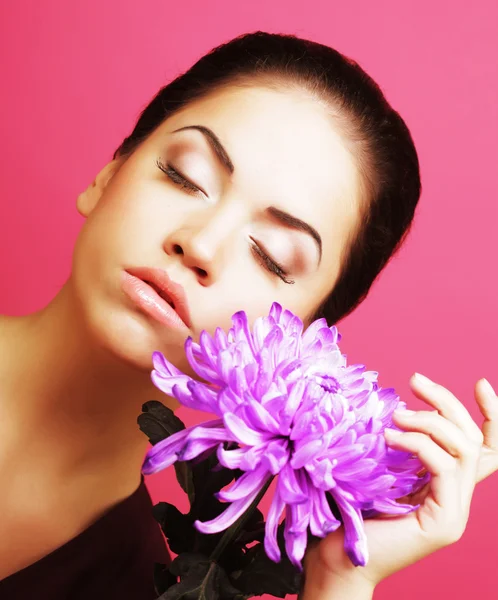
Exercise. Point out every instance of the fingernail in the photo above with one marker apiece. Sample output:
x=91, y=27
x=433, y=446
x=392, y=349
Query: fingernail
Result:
x=391, y=432
x=422, y=379
x=400, y=412
x=488, y=388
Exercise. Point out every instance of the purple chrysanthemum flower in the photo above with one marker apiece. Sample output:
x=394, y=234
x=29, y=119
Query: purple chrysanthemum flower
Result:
x=296, y=411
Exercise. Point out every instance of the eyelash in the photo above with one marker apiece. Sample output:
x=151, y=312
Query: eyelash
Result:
x=270, y=264
x=177, y=178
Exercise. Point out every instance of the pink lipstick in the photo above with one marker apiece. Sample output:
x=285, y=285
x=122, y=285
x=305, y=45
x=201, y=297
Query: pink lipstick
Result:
x=153, y=292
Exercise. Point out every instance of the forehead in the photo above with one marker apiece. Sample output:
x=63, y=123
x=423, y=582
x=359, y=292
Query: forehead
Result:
x=287, y=151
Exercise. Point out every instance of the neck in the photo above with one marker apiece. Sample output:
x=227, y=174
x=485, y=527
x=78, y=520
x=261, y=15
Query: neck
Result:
x=66, y=401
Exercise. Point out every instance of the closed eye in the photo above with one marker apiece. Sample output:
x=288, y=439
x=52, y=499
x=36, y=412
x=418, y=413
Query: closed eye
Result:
x=269, y=264
x=178, y=178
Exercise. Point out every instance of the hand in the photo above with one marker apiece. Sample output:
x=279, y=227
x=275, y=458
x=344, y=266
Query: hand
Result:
x=458, y=455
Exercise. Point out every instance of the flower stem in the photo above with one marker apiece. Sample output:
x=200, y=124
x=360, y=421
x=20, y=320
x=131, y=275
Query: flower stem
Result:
x=234, y=529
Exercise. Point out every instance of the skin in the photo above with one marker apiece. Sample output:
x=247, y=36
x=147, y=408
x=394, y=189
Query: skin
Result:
x=88, y=353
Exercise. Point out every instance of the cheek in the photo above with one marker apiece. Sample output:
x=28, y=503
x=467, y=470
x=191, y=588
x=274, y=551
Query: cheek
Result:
x=242, y=288
x=245, y=285
x=253, y=304
x=128, y=227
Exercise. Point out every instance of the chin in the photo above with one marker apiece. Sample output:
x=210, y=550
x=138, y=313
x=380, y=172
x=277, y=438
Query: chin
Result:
x=132, y=338
x=121, y=332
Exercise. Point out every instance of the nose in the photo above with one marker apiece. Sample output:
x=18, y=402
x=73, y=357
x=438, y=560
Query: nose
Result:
x=204, y=245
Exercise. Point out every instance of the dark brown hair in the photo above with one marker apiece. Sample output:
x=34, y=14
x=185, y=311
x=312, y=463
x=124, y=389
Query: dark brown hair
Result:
x=380, y=140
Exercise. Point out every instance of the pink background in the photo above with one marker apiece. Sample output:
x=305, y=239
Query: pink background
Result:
x=74, y=76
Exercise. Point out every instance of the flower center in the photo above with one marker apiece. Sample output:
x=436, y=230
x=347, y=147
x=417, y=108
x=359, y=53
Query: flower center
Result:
x=328, y=383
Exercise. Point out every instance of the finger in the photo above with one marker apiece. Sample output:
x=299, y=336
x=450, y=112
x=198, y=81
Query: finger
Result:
x=445, y=433
x=488, y=405
x=442, y=467
x=447, y=405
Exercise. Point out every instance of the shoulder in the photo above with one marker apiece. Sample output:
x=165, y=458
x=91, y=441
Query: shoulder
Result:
x=129, y=530
x=114, y=558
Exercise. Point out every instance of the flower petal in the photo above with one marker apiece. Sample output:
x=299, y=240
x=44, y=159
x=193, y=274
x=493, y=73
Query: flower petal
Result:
x=227, y=401
x=166, y=383
x=227, y=517
x=259, y=417
x=292, y=404
x=276, y=311
x=164, y=368
x=194, y=448
x=165, y=453
x=220, y=338
x=306, y=453
x=355, y=540
x=204, y=396
x=391, y=507
x=354, y=470
x=301, y=518
x=241, y=432
x=295, y=540
x=272, y=521
x=242, y=331
x=322, y=514
x=203, y=437
x=289, y=487
x=252, y=457
x=276, y=456
x=246, y=484
x=185, y=397
x=299, y=411
x=321, y=473
x=312, y=331
x=200, y=363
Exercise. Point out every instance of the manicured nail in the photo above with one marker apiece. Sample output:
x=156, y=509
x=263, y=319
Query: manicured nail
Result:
x=488, y=388
x=422, y=379
x=392, y=432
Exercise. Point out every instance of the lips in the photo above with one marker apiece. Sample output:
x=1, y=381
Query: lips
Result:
x=171, y=292
x=160, y=293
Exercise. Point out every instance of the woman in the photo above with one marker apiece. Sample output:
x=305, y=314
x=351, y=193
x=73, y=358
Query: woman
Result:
x=273, y=170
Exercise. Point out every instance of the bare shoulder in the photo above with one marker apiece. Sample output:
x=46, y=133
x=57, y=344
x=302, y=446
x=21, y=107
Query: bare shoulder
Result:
x=13, y=333
x=13, y=330
x=5, y=323
x=9, y=323
x=10, y=327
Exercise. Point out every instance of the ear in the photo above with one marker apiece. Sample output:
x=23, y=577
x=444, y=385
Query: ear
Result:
x=89, y=199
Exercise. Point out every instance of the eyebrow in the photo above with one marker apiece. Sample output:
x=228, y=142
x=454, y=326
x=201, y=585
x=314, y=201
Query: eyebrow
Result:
x=283, y=217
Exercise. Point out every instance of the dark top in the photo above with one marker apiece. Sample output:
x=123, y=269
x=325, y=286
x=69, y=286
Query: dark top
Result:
x=112, y=559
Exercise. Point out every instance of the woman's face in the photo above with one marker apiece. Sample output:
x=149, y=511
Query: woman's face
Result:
x=217, y=196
